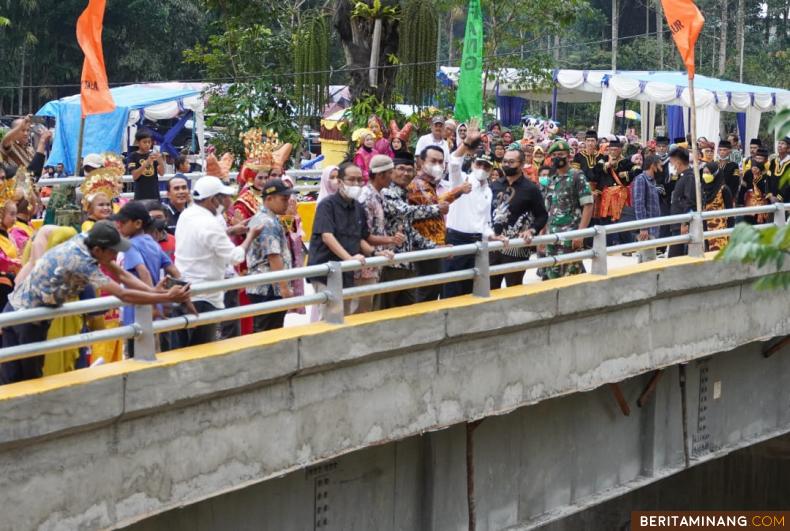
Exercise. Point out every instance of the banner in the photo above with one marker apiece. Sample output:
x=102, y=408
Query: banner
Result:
x=685, y=21
x=95, y=88
x=469, y=97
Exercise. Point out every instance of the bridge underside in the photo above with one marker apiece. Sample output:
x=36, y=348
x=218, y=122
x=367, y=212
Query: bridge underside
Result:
x=534, y=465
x=125, y=441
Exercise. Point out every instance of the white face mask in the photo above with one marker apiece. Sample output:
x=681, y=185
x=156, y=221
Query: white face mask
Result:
x=480, y=175
x=435, y=170
x=352, y=192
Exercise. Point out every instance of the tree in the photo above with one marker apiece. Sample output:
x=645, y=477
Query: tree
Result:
x=368, y=33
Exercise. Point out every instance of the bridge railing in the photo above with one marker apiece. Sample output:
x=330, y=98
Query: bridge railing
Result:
x=144, y=330
x=192, y=176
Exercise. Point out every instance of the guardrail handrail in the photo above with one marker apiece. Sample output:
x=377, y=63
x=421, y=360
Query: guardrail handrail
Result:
x=144, y=329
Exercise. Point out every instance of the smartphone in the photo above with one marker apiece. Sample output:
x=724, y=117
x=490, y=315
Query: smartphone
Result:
x=170, y=282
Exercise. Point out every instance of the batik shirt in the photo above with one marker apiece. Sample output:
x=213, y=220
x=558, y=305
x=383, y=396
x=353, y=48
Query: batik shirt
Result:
x=566, y=196
x=373, y=203
x=421, y=192
x=399, y=215
x=58, y=276
x=272, y=240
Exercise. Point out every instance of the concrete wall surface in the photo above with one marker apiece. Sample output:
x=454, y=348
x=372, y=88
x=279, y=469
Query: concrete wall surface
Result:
x=542, y=463
x=115, y=444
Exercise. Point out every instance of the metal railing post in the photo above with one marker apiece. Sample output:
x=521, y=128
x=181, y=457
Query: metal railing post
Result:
x=482, y=282
x=145, y=340
x=333, y=311
x=600, y=262
x=697, y=232
x=780, y=217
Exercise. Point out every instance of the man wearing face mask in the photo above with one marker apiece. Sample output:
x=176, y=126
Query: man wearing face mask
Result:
x=341, y=228
x=518, y=212
x=469, y=220
x=570, y=203
x=422, y=191
x=399, y=217
x=204, y=250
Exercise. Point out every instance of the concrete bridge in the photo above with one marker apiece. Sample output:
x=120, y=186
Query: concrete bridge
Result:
x=370, y=424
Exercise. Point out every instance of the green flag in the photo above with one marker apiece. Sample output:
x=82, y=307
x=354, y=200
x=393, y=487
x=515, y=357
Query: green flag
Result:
x=469, y=98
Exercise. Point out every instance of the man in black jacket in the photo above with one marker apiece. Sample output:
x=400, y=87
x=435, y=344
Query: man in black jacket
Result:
x=684, y=196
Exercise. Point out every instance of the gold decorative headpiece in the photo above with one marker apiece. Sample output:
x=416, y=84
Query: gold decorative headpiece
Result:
x=105, y=180
x=7, y=189
x=259, y=148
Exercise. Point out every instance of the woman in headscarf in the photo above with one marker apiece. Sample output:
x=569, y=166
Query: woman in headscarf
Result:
x=366, y=141
x=328, y=184
x=716, y=195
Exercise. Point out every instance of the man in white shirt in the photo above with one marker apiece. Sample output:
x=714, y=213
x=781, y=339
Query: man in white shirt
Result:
x=469, y=218
x=204, y=250
x=434, y=138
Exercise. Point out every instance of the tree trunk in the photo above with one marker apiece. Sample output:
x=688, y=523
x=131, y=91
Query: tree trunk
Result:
x=660, y=34
x=615, y=23
x=723, y=36
x=374, y=54
x=450, y=39
x=739, y=31
x=22, y=82
x=556, y=51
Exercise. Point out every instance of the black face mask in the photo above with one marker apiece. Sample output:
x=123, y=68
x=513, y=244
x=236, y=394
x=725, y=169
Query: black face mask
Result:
x=560, y=163
x=510, y=171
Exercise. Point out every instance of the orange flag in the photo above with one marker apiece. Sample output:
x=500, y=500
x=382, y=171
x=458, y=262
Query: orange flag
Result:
x=686, y=22
x=95, y=92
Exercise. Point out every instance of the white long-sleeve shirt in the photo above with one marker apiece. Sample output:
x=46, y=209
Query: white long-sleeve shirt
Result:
x=204, y=250
x=470, y=213
x=428, y=140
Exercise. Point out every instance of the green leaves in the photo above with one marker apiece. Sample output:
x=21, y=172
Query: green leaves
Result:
x=763, y=248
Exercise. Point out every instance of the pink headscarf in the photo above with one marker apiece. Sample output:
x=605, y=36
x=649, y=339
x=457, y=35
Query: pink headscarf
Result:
x=325, y=191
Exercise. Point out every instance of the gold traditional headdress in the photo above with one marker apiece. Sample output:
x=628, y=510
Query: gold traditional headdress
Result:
x=7, y=189
x=106, y=180
x=259, y=148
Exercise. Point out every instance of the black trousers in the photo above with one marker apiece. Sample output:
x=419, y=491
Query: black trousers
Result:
x=229, y=329
x=677, y=249
x=22, y=334
x=429, y=267
x=511, y=279
x=194, y=336
x=269, y=321
x=394, y=299
x=459, y=263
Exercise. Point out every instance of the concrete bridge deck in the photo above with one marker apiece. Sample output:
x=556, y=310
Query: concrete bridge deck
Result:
x=119, y=443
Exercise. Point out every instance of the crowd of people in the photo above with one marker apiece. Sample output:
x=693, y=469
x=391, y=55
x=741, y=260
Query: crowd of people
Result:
x=461, y=184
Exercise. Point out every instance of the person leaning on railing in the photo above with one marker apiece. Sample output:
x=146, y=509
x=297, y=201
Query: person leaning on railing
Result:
x=60, y=275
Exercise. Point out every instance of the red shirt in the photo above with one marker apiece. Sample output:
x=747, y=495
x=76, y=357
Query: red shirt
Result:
x=169, y=246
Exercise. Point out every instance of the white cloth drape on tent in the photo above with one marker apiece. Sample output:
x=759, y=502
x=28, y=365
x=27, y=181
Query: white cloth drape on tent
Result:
x=606, y=116
x=752, y=124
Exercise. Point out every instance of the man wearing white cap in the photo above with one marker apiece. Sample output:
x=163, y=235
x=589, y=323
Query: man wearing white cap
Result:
x=204, y=250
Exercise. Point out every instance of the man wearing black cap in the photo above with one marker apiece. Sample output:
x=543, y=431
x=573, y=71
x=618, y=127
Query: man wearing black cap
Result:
x=588, y=159
x=469, y=219
x=754, y=145
x=270, y=252
x=684, y=195
x=60, y=275
x=399, y=216
x=728, y=170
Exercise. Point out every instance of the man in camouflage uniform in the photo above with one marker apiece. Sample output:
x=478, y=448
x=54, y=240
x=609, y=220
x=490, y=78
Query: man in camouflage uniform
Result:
x=569, y=202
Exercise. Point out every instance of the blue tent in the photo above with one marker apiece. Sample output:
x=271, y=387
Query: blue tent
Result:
x=105, y=132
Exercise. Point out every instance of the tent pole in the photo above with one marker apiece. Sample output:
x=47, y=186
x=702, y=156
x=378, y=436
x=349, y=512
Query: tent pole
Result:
x=79, y=147
x=693, y=120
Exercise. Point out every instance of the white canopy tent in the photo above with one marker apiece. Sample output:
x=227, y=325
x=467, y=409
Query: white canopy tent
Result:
x=713, y=96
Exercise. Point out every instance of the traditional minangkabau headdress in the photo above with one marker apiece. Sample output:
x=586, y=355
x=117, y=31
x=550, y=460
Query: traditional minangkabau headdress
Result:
x=105, y=180
x=402, y=134
x=259, y=148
